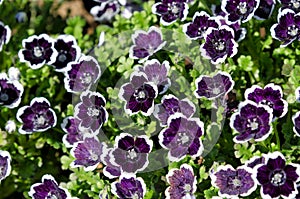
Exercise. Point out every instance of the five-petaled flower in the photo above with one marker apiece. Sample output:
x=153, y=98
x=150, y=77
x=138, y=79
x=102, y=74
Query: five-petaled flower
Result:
x=219, y=44
x=48, y=189
x=5, y=167
x=252, y=121
x=265, y=9
x=182, y=136
x=182, y=183
x=277, y=178
x=234, y=182
x=106, y=10
x=5, y=34
x=36, y=117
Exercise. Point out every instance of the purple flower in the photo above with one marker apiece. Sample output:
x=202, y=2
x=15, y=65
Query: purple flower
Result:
x=105, y=11
x=201, y=22
x=139, y=94
x=296, y=122
x=239, y=9
x=131, y=153
x=5, y=34
x=183, y=183
x=219, y=44
x=74, y=134
x=5, y=167
x=48, y=189
x=81, y=75
x=170, y=105
x=146, y=44
x=254, y=161
x=110, y=170
x=68, y=51
x=157, y=73
x=213, y=87
x=182, y=137
x=11, y=92
x=271, y=95
x=38, y=50
x=129, y=186
x=91, y=110
x=234, y=182
x=239, y=32
x=265, y=9
x=278, y=178
x=291, y=4
x=36, y=117
x=252, y=121
x=88, y=153
x=287, y=28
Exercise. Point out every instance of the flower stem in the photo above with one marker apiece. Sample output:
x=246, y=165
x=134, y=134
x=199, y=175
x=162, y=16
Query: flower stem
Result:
x=276, y=135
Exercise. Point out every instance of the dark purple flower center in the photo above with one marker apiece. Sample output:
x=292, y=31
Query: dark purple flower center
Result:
x=292, y=30
x=3, y=97
x=132, y=154
x=219, y=45
x=141, y=94
x=62, y=56
x=278, y=177
x=253, y=124
x=38, y=51
x=242, y=7
x=267, y=102
x=174, y=8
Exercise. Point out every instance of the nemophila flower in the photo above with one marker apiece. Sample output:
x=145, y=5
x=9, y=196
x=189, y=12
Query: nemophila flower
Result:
x=233, y=183
x=239, y=10
x=131, y=153
x=105, y=11
x=139, y=94
x=48, y=189
x=271, y=95
x=290, y=4
x=82, y=74
x=5, y=167
x=91, y=110
x=182, y=137
x=10, y=126
x=157, y=73
x=129, y=186
x=11, y=92
x=170, y=105
x=74, y=134
x=252, y=121
x=5, y=34
x=38, y=51
x=219, y=44
x=88, y=153
x=171, y=10
x=36, y=117
x=212, y=87
x=110, y=170
x=265, y=9
x=296, y=122
x=278, y=178
x=287, y=28
x=254, y=161
x=182, y=183
x=201, y=22
x=146, y=44
x=68, y=51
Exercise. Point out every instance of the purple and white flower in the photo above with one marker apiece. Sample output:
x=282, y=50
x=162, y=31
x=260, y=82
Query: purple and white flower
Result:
x=183, y=183
x=131, y=153
x=82, y=74
x=219, y=44
x=146, y=44
x=105, y=11
x=170, y=105
x=277, y=178
x=287, y=28
x=239, y=32
x=233, y=183
x=48, y=189
x=68, y=51
x=129, y=186
x=265, y=9
x=239, y=10
x=91, y=111
x=139, y=94
x=271, y=95
x=5, y=34
x=290, y=4
x=201, y=22
x=88, y=153
x=182, y=137
x=11, y=91
x=38, y=51
x=213, y=87
x=5, y=167
x=157, y=73
x=110, y=170
x=10, y=126
x=37, y=117
x=171, y=10
x=252, y=121
x=296, y=122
